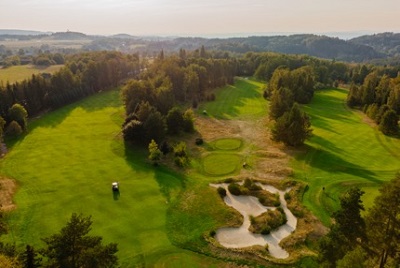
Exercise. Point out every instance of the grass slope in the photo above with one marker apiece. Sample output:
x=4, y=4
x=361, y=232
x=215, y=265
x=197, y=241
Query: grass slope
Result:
x=19, y=73
x=344, y=151
x=66, y=164
x=243, y=100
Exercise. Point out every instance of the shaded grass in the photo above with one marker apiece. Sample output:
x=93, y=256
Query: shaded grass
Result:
x=343, y=152
x=21, y=72
x=242, y=100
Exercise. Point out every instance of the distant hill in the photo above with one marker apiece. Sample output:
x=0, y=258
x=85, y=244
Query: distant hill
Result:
x=387, y=43
x=21, y=32
x=68, y=36
x=314, y=45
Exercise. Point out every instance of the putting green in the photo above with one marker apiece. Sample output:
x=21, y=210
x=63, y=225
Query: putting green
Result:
x=219, y=164
x=228, y=144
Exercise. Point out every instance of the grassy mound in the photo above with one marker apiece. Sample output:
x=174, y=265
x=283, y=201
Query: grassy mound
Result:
x=267, y=221
x=219, y=164
x=228, y=144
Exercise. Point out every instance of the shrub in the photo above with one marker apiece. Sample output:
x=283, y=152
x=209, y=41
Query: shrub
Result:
x=234, y=188
x=229, y=180
x=14, y=129
x=287, y=196
x=212, y=233
x=199, y=141
x=221, y=191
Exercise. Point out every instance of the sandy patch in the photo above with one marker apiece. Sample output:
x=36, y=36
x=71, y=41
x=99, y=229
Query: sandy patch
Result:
x=7, y=190
x=249, y=205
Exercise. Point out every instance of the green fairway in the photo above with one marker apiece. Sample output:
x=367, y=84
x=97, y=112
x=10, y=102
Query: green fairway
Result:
x=67, y=163
x=343, y=152
x=228, y=144
x=243, y=100
x=19, y=73
x=220, y=164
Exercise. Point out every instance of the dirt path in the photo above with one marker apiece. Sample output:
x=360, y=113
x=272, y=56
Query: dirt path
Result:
x=270, y=159
x=7, y=190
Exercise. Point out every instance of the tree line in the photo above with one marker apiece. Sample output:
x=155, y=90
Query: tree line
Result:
x=379, y=98
x=83, y=75
x=369, y=241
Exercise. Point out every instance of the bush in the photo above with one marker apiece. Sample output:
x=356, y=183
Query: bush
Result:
x=212, y=233
x=229, y=180
x=221, y=191
x=199, y=141
x=287, y=196
x=234, y=188
x=14, y=129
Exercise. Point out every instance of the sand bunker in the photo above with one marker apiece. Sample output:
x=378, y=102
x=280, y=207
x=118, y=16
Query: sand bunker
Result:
x=249, y=205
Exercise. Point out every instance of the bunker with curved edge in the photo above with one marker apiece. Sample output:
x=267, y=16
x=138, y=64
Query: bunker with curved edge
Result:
x=241, y=237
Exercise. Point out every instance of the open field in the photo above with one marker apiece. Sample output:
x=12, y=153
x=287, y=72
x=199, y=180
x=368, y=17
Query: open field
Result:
x=67, y=163
x=344, y=151
x=19, y=73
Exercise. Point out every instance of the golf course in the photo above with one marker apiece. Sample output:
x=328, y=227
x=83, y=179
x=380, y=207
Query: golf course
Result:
x=68, y=159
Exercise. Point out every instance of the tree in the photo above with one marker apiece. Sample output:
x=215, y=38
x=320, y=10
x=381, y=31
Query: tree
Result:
x=174, y=120
x=154, y=127
x=29, y=258
x=281, y=101
x=154, y=152
x=293, y=128
x=383, y=224
x=2, y=124
x=18, y=113
x=348, y=230
x=389, y=123
x=74, y=248
x=188, y=121
x=14, y=129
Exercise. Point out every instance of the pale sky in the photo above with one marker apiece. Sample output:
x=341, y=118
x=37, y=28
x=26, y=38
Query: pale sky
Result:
x=200, y=17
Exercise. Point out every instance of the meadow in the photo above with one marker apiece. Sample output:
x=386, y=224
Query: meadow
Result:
x=21, y=72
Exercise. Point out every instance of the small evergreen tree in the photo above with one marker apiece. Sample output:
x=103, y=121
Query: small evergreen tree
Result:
x=154, y=152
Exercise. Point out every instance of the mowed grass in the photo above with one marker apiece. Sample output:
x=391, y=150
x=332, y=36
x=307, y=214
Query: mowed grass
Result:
x=343, y=152
x=243, y=100
x=21, y=72
x=220, y=164
x=66, y=164
x=228, y=144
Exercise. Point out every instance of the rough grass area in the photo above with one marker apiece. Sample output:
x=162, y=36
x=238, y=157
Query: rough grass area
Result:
x=343, y=152
x=220, y=164
x=228, y=144
x=21, y=72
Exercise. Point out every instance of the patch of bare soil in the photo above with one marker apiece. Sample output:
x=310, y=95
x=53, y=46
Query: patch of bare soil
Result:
x=7, y=190
x=266, y=159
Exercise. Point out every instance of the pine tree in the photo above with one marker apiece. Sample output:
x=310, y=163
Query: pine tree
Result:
x=293, y=128
x=154, y=152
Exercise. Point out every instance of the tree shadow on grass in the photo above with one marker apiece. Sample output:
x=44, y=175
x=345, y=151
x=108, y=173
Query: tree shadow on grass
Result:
x=236, y=95
x=169, y=182
x=333, y=163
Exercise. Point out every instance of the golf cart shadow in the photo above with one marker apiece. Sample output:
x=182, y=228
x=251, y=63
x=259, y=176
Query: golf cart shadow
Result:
x=115, y=190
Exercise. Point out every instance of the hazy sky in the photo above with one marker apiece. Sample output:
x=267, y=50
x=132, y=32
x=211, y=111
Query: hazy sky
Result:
x=200, y=17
